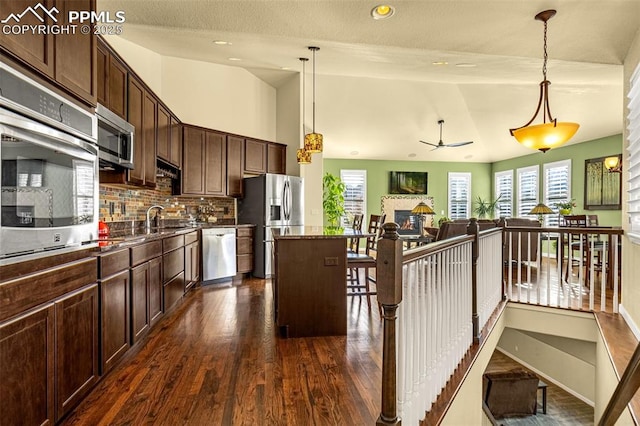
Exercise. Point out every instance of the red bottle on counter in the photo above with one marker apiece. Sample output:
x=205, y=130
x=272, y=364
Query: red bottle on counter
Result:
x=103, y=230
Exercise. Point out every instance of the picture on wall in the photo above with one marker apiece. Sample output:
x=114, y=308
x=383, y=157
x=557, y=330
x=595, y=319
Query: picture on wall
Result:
x=407, y=182
x=602, y=188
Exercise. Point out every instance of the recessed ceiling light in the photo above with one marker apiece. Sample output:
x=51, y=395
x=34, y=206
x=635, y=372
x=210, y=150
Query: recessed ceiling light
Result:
x=466, y=65
x=235, y=59
x=382, y=11
x=413, y=154
x=440, y=63
x=222, y=43
x=354, y=153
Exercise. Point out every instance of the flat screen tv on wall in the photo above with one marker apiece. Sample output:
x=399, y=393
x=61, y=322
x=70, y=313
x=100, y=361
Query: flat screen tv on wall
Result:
x=407, y=182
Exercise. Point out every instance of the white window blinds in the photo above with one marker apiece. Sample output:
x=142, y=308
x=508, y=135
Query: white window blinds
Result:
x=504, y=190
x=633, y=150
x=459, y=195
x=557, y=187
x=355, y=194
x=527, y=190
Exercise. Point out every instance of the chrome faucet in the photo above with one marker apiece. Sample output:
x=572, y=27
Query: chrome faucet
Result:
x=148, y=223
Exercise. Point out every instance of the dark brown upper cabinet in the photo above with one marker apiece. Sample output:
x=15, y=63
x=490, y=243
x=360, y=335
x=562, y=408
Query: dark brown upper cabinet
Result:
x=175, y=156
x=204, y=162
x=111, y=80
x=75, y=55
x=276, y=158
x=255, y=156
x=69, y=61
x=163, y=143
x=235, y=165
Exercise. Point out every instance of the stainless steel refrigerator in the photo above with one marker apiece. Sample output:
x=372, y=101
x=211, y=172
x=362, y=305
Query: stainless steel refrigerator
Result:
x=270, y=201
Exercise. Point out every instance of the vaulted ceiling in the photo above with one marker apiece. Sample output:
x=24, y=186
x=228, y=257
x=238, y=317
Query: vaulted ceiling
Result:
x=381, y=84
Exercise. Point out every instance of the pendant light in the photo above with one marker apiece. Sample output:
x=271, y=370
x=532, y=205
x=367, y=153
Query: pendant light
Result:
x=548, y=134
x=302, y=155
x=313, y=141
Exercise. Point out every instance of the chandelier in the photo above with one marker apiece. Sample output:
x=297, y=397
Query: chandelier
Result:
x=549, y=134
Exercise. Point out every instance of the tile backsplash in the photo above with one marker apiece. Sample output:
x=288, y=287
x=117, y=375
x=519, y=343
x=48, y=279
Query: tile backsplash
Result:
x=126, y=204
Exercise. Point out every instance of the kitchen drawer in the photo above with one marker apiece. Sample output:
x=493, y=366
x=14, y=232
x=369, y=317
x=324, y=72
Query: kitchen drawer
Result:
x=244, y=246
x=172, y=243
x=173, y=264
x=191, y=237
x=146, y=251
x=245, y=263
x=244, y=232
x=173, y=291
x=112, y=263
x=31, y=290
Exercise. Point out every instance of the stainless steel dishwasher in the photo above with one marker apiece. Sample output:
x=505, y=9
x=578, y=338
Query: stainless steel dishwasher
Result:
x=218, y=253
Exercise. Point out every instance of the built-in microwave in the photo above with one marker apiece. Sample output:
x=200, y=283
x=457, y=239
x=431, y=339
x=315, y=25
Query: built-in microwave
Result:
x=115, y=139
x=48, y=169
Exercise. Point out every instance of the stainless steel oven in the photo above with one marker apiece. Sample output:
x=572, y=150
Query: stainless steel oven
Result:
x=48, y=169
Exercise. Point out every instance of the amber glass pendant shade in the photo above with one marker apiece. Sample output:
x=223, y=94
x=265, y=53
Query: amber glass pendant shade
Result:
x=313, y=142
x=545, y=136
x=303, y=156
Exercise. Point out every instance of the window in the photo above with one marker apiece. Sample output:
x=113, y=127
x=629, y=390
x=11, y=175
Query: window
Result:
x=459, y=195
x=557, y=187
x=633, y=149
x=527, y=191
x=355, y=194
x=504, y=190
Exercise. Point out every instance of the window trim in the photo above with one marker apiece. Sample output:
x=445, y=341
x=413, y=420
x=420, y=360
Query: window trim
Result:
x=497, y=191
x=519, y=173
x=346, y=219
x=545, y=189
x=467, y=176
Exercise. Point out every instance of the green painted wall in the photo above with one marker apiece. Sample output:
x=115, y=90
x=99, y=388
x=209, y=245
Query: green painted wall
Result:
x=378, y=178
x=482, y=174
x=578, y=153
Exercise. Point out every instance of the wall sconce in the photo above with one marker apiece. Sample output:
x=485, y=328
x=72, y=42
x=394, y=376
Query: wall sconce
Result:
x=613, y=164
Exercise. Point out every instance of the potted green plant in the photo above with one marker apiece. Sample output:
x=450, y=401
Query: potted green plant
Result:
x=442, y=220
x=333, y=198
x=485, y=209
x=565, y=207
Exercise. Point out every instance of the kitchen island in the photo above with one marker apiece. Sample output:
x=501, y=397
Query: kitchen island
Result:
x=310, y=280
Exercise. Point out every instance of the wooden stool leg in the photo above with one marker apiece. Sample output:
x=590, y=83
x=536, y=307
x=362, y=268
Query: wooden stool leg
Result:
x=367, y=288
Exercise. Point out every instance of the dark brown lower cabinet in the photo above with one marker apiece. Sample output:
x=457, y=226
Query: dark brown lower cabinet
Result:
x=146, y=297
x=155, y=290
x=191, y=260
x=140, y=321
x=173, y=291
x=76, y=347
x=27, y=368
x=115, y=293
x=191, y=265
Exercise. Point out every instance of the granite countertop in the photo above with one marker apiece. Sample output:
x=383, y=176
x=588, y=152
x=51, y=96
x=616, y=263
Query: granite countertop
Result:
x=316, y=232
x=130, y=237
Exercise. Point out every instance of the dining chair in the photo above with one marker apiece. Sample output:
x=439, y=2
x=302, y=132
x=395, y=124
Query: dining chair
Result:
x=584, y=244
x=366, y=261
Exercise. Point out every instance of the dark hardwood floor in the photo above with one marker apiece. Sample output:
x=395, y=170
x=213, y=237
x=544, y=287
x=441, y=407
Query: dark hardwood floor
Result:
x=219, y=360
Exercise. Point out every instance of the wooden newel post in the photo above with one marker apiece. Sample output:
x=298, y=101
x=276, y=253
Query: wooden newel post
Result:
x=389, y=289
x=474, y=229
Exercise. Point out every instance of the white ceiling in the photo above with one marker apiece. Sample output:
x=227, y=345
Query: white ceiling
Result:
x=378, y=91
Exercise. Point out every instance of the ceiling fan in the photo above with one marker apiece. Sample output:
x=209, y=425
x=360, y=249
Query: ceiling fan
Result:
x=441, y=144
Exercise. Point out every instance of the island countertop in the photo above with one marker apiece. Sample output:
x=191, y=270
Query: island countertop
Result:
x=316, y=232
